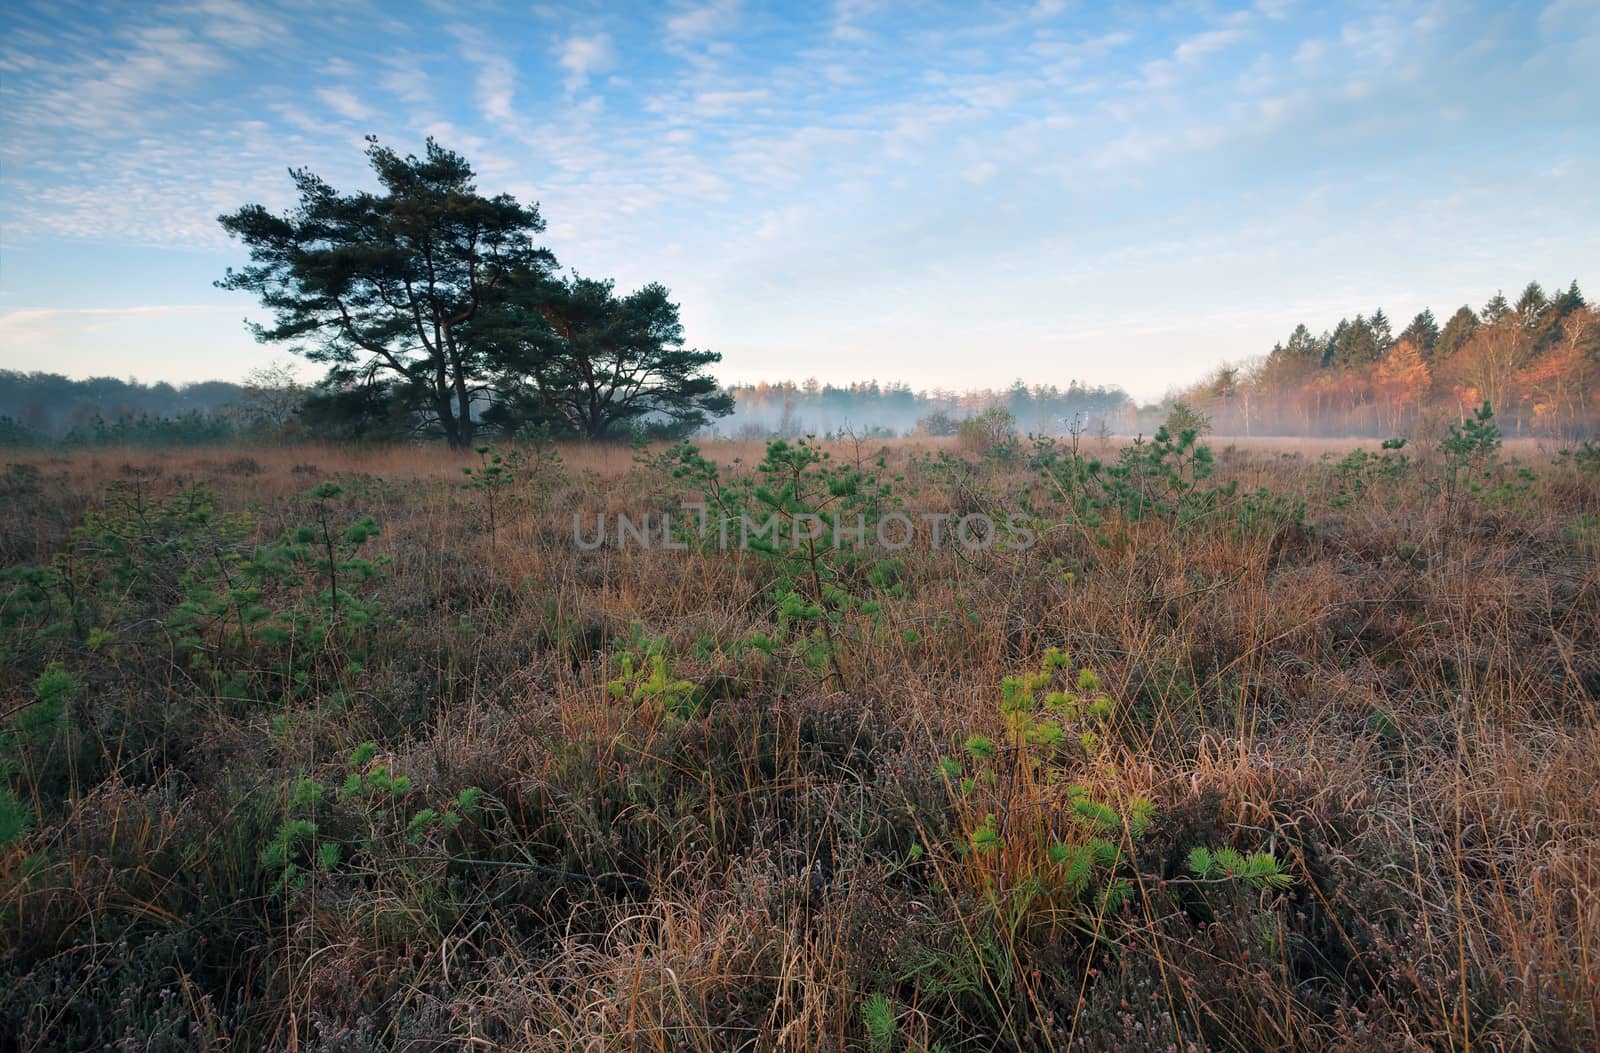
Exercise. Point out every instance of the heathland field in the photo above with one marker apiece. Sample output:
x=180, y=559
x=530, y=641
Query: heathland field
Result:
x=1199, y=744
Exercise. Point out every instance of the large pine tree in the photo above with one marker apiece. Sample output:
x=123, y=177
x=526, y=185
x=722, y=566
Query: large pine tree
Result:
x=604, y=363
x=393, y=290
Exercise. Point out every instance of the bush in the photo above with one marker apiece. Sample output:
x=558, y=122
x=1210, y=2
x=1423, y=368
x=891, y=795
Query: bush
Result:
x=18, y=436
x=1183, y=416
x=981, y=433
x=938, y=424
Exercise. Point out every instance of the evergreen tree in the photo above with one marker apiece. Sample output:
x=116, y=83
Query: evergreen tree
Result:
x=1551, y=322
x=1497, y=308
x=1422, y=332
x=605, y=362
x=1303, y=344
x=1570, y=300
x=1531, y=305
x=1332, y=342
x=396, y=290
x=1356, y=345
x=1457, y=331
x=1382, y=331
x=1292, y=363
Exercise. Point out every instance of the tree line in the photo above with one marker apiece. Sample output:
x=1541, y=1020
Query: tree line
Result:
x=1535, y=359
x=789, y=409
x=272, y=405
x=36, y=408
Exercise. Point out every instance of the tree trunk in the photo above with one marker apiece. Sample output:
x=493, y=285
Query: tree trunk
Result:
x=448, y=424
x=464, y=410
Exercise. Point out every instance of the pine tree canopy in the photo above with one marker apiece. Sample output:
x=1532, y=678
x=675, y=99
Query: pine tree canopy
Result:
x=437, y=313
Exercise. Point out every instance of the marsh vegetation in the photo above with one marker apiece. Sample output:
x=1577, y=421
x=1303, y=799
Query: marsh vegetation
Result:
x=1253, y=748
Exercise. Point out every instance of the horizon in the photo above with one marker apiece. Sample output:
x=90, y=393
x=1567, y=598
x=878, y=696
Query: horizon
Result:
x=1178, y=390
x=1126, y=199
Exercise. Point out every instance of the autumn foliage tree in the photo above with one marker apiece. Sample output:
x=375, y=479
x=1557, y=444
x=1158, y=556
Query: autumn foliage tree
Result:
x=1486, y=368
x=1402, y=383
x=1561, y=383
x=1535, y=357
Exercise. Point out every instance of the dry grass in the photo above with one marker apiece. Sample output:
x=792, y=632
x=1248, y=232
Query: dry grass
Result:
x=1397, y=699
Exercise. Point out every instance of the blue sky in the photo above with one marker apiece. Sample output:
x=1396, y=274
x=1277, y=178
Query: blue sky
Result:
x=949, y=194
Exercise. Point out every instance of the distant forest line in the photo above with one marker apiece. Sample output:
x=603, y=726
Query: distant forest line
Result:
x=1535, y=359
x=47, y=408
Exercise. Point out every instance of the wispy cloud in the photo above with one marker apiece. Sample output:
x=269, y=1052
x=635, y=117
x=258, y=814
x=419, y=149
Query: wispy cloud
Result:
x=584, y=56
x=236, y=24
x=1203, y=44
x=29, y=318
x=344, y=102
x=497, y=85
x=116, y=86
x=408, y=81
x=697, y=21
